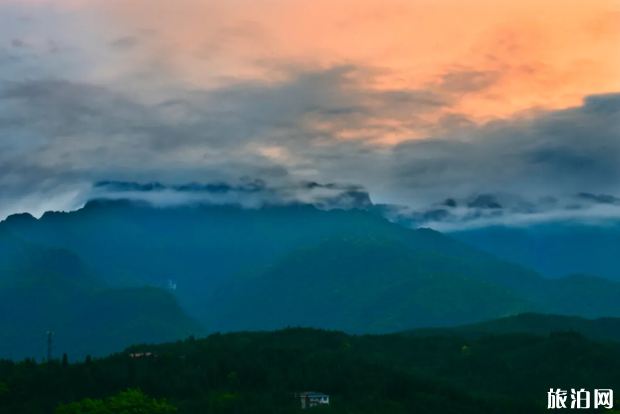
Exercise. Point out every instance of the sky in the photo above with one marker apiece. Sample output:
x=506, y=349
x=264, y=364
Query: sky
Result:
x=416, y=101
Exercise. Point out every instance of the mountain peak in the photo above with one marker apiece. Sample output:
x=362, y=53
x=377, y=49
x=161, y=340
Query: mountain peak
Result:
x=20, y=218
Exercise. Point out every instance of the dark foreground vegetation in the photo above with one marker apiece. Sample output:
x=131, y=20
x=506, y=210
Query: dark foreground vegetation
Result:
x=257, y=372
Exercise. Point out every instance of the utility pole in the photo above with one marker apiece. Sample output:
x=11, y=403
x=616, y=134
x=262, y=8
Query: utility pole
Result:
x=49, y=345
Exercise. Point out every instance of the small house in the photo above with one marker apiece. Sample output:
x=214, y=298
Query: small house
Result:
x=312, y=399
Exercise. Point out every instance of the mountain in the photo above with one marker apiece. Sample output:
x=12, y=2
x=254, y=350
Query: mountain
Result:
x=44, y=288
x=23, y=263
x=197, y=246
x=601, y=329
x=362, y=285
x=135, y=242
x=258, y=372
x=577, y=233
x=193, y=249
x=554, y=250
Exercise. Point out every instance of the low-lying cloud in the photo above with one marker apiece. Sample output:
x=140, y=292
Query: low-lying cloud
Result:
x=246, y=194
x=484, y=210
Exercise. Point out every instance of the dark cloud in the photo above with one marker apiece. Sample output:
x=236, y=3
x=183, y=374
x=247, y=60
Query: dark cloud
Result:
x=485, y=201
x=464, y=81
x=313, y=125
x=125, y=43
x=599, y=198
x=18, y=43
x=248, y=193
x=556, y=152
x=288, y=113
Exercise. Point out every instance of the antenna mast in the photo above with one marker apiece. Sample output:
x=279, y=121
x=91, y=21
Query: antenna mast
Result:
x=49, y=345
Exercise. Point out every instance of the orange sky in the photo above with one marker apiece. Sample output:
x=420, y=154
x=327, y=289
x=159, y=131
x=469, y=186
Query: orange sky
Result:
x=95, y=72
x=530, y=53
x=542, y=53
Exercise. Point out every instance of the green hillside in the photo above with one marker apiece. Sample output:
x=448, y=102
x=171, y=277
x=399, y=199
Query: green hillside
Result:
x=255, y=269
x=44, y=288
x=132, y=244
x=23, y=263
x=583, y=295
x=363, y=285
x=553, y=249
x=360, y=285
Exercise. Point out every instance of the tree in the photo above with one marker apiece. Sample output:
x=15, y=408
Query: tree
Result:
x=65, y=361
x=128, y=402
x=233, y=380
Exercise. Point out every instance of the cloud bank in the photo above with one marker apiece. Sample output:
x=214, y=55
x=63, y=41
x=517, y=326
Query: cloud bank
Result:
x=281, y=95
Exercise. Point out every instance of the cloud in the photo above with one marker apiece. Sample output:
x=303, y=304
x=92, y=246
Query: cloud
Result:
x=483, y=210
x=80, y=133
x=246, y=192
x=511, y=55
x=18, y=43
x=125, y=43
x=507, y=106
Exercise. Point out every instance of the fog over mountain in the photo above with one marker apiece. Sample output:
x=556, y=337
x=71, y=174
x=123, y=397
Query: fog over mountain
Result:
x=488, y=210
x=478, y=210
x=534, y=170
x=248, y=193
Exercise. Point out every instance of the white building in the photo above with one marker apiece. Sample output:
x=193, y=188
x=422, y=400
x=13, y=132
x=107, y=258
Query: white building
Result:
x=312, y=399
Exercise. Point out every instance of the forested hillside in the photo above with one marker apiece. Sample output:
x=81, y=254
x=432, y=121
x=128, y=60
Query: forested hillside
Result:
x=49, y=289
x=361, y=285
x=257, y=372
x=554, y=250
x=200, y=248
x=368, y=285
x=235, y=268
x=602, y=329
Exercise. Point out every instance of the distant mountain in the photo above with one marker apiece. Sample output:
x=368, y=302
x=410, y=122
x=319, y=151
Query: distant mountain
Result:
x=197, y=246
x=360, y=286
x=114, y=317
x=554, y=250
x=193, y=249
x=554, y=236
x=377, y=286
x=601, y=329
x=23, y=263
x=43, y=288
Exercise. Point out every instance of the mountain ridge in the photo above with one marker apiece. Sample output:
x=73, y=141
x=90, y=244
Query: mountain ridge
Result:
x=50, y=289
x=598, y=329
x=198, y=249
x=363, y=285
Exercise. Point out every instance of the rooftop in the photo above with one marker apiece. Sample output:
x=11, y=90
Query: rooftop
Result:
x=312, y=394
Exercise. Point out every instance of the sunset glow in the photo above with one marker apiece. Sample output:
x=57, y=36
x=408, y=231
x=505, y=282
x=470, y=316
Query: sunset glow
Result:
x=317, y=89
x=491, y=59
